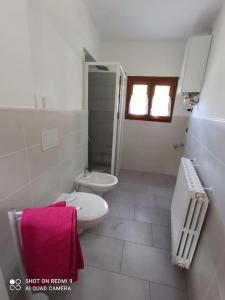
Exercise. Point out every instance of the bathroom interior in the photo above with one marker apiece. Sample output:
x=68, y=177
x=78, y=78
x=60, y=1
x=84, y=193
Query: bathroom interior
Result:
x=112, y=142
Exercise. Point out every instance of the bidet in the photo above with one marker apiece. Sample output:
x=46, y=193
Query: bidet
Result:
x=95, y=182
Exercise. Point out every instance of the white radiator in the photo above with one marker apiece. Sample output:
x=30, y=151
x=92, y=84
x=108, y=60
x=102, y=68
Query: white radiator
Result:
x=188, y=210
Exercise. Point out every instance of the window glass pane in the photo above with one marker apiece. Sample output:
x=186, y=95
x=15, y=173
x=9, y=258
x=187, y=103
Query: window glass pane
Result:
x=161, y=101
x=139, y=100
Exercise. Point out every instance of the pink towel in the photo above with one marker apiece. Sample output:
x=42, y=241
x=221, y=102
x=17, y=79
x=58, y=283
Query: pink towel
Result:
x=51, y=246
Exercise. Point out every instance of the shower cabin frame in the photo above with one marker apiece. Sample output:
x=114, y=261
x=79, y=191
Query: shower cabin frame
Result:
x=119, y=109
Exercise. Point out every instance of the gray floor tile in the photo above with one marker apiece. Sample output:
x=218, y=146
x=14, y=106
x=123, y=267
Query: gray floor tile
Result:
x=132, y=231
x=163, y=292
x=163, y=202
x=152, y=215
x=95, y=284
x=129, y=176
x=133, y=181
x=133, y=185
x=161, y=236
x=121, y=209
x=144, y=197
x=139, y=214
x=102, y=252
x=120, y=195
x=164, y=192
x=151, y=264
x=159, y=180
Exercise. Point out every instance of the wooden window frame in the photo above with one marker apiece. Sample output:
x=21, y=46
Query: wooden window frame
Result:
x=151, y=82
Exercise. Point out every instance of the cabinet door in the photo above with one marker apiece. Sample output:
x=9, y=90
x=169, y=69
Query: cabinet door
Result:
x=183, y=69
x=194, y=65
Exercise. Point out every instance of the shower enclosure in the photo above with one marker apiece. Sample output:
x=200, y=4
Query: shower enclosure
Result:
x=104, y=99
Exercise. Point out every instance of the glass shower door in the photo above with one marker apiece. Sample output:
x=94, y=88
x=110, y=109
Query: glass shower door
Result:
x=101, y=99
x=104, y=102
x=120, y=123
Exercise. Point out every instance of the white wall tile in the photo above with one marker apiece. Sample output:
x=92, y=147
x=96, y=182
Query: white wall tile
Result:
x=11, y=131
x=148, y=146
x=13, y=173
x=31, y=177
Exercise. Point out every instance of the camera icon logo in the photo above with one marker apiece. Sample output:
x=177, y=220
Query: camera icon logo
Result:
x=15, y=284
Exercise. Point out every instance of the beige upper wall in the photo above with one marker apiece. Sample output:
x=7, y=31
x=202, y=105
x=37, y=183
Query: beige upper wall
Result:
x=41, y=52
x=16, y=83
x=212, y=99
x=156, y=58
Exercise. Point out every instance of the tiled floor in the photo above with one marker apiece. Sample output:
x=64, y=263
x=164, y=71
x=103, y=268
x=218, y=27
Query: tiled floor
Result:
x=128, y=257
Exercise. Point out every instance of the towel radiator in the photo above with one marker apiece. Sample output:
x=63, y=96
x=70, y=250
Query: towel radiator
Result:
x=14, y=217
x=188, y=210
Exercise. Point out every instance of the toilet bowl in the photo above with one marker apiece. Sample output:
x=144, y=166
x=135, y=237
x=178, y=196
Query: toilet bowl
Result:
x=95, y=182
x=91, y=208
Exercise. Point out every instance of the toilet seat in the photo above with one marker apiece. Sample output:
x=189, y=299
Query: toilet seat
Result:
x=92, y=208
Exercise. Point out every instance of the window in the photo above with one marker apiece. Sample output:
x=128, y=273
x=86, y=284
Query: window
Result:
x=150, y=98
x=139, y=100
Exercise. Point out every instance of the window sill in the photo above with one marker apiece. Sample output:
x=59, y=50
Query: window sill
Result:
x=146, y=118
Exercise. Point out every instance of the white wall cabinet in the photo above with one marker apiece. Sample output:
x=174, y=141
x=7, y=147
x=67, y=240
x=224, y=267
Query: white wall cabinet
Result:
x=194, y=64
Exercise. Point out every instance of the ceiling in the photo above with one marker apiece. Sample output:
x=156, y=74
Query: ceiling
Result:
x=143, y=20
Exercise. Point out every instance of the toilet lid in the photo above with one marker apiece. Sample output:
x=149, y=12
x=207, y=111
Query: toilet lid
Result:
x=92, y=207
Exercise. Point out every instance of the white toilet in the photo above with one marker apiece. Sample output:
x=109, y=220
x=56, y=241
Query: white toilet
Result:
x=95, y=182
x=91, y=208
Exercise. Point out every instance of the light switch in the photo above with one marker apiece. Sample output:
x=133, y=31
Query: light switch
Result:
x=50, y=139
